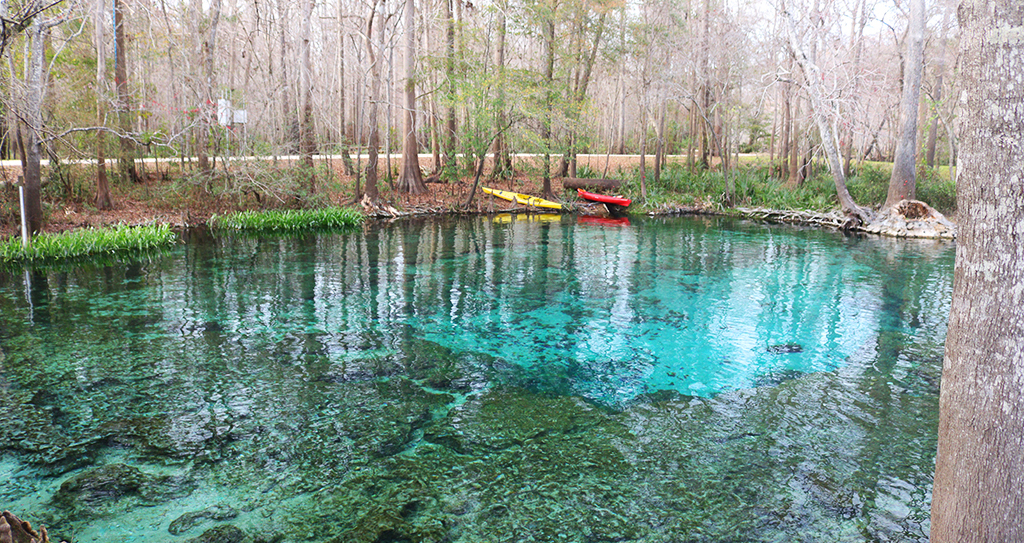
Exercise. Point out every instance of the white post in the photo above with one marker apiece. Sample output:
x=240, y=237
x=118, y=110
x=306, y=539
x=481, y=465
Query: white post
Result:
x=25, y=239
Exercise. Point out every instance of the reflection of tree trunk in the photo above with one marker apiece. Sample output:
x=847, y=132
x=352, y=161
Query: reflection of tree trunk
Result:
x=102, y=199
x=903, y=183
x=977, y=493
x=126, y=162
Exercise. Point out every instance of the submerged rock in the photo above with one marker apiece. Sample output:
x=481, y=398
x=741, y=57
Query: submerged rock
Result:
x=88, y=493
x=225, y=533
x=786, y=348
x=192, y=519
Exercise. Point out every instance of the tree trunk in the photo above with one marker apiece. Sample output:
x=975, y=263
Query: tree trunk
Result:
x=659, y=148
x=549, y=77
x=902, y=185
x=448, y=141
x=307, y=145
x=373, y=142
x=823, y=118
x=343, y=133
x=940, y=68
x=978, y=495
x=502, y=160
x=34, y=118
x=411, y=178
x=102, y=200
x=126, y=161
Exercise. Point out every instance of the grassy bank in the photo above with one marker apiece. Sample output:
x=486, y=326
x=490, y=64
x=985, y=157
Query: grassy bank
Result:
x=289, y=220
x=120, y=241
x=753, y=187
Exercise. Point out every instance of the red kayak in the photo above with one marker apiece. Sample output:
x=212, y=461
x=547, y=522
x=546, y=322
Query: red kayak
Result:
x=617, y=200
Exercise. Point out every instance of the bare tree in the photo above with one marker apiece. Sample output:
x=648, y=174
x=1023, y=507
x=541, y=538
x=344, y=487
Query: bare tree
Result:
x=126, y=160
x=411, y=178
x=902, y=184
x=977, y=494
x=307, y=145
x=824, y=117
x=102, y=199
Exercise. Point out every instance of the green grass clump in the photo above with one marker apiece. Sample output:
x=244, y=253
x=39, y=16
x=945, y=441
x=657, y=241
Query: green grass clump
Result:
x=118, y=240
x=289, y=220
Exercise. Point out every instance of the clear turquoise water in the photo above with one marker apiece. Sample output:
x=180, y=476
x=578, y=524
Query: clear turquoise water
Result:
x=509, y=379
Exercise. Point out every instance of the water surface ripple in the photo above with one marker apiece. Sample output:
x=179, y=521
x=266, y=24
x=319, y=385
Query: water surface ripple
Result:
x=484, y=379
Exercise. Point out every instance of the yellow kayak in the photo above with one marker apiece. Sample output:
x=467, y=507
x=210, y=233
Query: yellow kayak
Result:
x=523, y=199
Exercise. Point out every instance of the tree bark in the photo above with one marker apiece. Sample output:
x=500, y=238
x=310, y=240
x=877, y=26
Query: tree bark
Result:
x=902, y=183
x=102, y=199
x=448, y=141
x=126, y=161
x=940, y=69
x=34, y=118
x=411, y=178
x=978, y=495
x=502, y=159
x=307, y=145
x=373, y=142
x=549, y=77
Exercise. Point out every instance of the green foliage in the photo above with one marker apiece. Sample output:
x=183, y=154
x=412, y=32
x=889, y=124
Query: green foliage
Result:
x=938, y=190
x=751, y=187
x=121, y=240
x=586, y=172
x=289, y=220
x=868, y=184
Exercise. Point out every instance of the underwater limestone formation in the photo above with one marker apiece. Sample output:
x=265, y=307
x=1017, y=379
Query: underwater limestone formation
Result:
x=225, y=533
x=89, y=493
x=15, y=530
x=192, y=519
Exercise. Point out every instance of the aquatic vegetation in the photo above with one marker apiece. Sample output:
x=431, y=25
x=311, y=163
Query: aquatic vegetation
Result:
x=289, y=220
x=120, y=241
x=467, y=381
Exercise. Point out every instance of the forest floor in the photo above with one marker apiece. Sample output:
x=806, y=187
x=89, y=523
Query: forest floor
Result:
x=148, y=202
x=164, y=197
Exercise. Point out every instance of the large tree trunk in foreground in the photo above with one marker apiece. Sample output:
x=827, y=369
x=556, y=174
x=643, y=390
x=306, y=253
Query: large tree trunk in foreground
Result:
x=978, y=494
x=902, y=183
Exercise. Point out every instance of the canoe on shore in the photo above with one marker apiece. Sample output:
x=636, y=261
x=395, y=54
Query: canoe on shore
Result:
x=615, y=200
x=523, y=199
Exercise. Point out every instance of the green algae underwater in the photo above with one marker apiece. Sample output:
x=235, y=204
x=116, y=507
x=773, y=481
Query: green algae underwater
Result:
x=481, y=380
